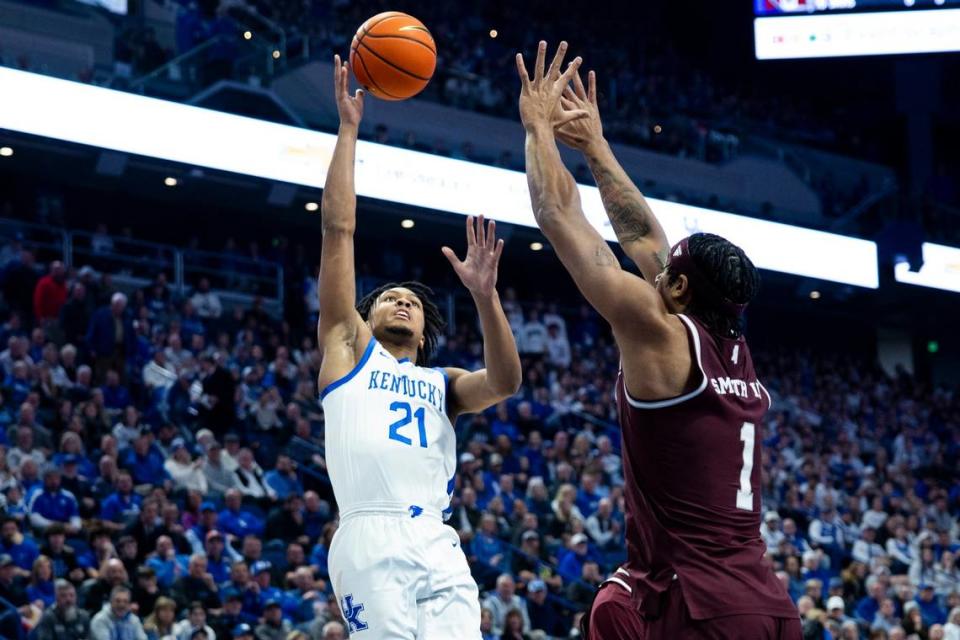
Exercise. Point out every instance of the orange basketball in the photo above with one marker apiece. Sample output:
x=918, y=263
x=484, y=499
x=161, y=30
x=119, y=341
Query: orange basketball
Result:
x=393, y=56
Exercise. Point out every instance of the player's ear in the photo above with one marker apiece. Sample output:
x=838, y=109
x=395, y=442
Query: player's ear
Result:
x=680, y=290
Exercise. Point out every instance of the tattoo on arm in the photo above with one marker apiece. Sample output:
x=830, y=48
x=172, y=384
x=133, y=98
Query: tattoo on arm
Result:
x=604, y=257
x=629, y=214
x=660, y=257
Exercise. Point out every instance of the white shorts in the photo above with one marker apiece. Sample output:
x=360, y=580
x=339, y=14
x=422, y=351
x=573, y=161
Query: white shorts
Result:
x=399, y=577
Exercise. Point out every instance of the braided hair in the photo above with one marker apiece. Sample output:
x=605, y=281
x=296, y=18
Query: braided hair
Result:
x=433, y=322
x=730, y=276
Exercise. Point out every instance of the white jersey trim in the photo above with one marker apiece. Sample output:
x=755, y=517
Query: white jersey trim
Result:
x=767, y=393
x=670, y=402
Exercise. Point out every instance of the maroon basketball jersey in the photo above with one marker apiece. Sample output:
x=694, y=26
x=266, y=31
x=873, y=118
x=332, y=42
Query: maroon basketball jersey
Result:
x=692, y=469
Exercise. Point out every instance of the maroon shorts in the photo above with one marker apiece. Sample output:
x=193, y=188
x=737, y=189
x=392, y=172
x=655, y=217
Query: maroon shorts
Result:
x=675, y=623
x=613, y=615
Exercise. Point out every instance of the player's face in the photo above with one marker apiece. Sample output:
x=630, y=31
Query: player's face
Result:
x=398, y=312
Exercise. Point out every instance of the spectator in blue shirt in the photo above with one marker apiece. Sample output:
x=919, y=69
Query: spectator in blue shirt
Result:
x=321, y=552
x=588, y=498
x=53, y=504
x=18, y=382
x=41, y=582
x=502, y=425
x=234, y=521
x=571, y=564
x=144, y=460
x=17, y=545
x=488, y=551
x=508, y=492
x=166, y=563
x=242, y=583
x=316, y=514
x=283, y=478
x=116, y=397
x=930, y=610
x=813, y=569
x=868, y=606
x=218, y=564
x=262, y=575
x=123, y=505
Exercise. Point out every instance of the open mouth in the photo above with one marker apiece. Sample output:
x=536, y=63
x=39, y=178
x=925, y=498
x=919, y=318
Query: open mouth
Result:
x=403, y=314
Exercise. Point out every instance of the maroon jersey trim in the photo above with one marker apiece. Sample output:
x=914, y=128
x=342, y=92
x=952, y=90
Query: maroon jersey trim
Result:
x=669, y=402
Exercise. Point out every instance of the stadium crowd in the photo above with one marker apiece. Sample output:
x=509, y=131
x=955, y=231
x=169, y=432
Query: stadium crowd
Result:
x=163, y=475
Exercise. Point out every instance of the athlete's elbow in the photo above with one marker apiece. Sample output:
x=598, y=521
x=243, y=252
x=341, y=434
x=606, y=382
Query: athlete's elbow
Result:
x=507, y=385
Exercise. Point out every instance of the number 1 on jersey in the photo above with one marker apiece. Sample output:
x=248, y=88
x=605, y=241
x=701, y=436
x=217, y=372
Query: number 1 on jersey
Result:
x=409, y=414
x=745, y=493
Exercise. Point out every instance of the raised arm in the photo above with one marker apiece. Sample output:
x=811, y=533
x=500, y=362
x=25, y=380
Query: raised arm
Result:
x=474, y=391
x=638, y=230
x=623, y=299
x=341, y=332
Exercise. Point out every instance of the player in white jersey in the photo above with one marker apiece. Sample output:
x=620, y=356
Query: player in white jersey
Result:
x=397, y=570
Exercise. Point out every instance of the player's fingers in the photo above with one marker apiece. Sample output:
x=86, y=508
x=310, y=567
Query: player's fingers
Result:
x=336, y=73
x=570, y=72
x=499, y=250
x=471, y=233
x=450, y=255
x=522, y=72
x=592, y=87
x=578, y=85
x=570, y=116
x=568, y=95
x=359, y=96
x=554, y=72
x=541, y=59
x=481, y=232
x=492, y=233
x=567, y=104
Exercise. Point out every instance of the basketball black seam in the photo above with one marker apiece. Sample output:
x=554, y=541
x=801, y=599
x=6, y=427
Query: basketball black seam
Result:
x=429, y=48
x=370, y=77
x=393, y=14
x=385, y=61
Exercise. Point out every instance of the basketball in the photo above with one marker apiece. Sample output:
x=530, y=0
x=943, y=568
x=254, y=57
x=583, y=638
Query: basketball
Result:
x=393, y=56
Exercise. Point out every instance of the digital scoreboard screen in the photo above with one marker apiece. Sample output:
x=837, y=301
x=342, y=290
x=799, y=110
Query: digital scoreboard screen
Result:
x=785, y=29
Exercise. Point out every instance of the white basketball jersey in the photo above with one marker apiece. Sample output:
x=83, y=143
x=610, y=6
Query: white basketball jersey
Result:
x=389, y=442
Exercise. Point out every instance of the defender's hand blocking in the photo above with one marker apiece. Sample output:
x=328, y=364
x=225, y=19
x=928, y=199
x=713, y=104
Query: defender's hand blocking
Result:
x=540, y=97
x=478, y=271
x=349, y=107
x=582, y=132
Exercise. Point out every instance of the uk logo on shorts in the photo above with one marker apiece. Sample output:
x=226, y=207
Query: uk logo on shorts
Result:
x=351, y=613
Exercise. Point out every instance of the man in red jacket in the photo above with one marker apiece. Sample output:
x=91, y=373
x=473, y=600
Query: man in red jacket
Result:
x=50, y=293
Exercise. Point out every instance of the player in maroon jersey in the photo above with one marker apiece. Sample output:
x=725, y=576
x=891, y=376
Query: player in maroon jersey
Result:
x=690, y=403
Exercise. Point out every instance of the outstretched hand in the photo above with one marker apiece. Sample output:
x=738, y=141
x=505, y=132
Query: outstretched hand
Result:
x=350, y=107
x=540, y=96
x=478, y=271
x=580, y=133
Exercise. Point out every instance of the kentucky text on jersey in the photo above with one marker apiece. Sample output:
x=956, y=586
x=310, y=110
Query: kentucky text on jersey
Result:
x=405, y=386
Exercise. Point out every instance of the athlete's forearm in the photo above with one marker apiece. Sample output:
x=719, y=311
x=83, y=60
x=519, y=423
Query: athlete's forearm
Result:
x=553, y=190
x=500, y=355
x=336, y=286
x=640, y=234
x=338, y=210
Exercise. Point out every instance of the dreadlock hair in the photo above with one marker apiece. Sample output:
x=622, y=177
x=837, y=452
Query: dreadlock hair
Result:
x=433, y=322
x=731, y=276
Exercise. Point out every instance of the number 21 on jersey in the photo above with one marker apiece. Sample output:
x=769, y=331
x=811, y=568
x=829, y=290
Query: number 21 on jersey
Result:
x=408, y=415
x=745, y=492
